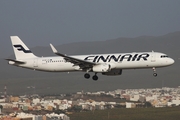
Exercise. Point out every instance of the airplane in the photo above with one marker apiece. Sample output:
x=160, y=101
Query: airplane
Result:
x=107, y=64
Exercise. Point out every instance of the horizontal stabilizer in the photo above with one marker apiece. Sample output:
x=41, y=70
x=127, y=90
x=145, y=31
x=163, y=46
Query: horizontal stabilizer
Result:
x=11, y=61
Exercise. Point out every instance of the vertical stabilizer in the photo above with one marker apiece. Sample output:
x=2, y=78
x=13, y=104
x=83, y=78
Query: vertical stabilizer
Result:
x=21, y=51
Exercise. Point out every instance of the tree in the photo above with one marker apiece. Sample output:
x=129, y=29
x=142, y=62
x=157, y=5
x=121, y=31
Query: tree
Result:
x=148, y=104
x=1, y=107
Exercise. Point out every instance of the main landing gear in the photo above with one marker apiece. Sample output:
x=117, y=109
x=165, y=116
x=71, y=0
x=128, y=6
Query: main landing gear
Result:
x=154, y=72
x=87, y=76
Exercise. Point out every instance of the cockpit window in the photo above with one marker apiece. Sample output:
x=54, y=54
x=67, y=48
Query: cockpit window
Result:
x=164, y=56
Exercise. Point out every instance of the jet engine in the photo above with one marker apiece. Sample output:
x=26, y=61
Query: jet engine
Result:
x=102, y=68
x=113, y=72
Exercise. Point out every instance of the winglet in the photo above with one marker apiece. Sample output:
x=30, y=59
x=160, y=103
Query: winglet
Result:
x=53, y=49
x=56, y=52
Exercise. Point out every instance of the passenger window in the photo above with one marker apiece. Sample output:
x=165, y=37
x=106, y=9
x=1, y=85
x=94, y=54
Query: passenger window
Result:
x=164, y=56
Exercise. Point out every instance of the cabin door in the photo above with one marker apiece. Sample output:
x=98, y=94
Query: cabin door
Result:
x=153, y=57
x=35, y=64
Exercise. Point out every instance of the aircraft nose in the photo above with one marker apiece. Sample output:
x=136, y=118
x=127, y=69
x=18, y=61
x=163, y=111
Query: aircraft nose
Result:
x=171, y=61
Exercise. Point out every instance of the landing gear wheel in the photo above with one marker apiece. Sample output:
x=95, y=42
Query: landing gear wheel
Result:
x=154, y=70
x=155, y=74
x=87, y=76
x=95, y=77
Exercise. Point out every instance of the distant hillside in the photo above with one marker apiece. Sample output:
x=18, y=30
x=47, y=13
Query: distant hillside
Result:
x=165, y=43
x=17, y=79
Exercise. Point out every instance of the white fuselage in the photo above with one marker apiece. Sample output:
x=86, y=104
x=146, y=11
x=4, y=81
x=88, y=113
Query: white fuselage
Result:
x=117, y=61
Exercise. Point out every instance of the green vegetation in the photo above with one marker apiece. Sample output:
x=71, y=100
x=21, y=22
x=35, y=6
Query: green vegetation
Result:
x=129, y=114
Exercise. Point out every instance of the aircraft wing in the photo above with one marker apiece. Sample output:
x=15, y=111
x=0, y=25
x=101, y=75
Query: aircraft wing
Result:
x=82, y=63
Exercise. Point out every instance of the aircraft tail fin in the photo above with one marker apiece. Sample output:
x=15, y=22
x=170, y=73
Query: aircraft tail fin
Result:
x=21, y=51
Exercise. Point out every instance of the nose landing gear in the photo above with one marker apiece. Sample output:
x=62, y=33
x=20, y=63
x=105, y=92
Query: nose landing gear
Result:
x=154, y=72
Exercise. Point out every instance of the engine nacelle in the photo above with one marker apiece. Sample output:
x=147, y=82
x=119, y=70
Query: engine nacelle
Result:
x=113, y=72
x=102, y=68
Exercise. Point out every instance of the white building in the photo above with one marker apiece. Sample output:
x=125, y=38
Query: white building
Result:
x=130, y=105
x=134, y=97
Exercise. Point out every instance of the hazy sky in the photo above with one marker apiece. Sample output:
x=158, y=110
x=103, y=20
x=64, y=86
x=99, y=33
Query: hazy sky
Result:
x=40, y=22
